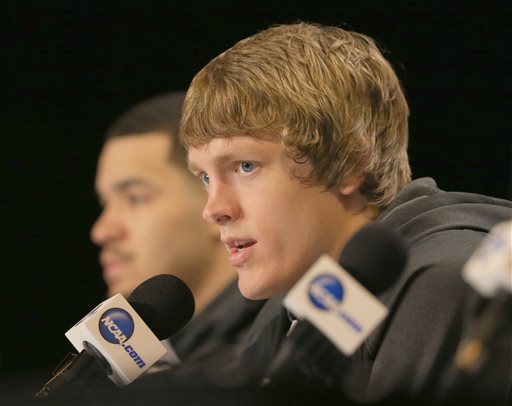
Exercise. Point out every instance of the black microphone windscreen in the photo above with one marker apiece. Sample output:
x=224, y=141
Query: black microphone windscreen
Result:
x=375, y=256
x=165, y=303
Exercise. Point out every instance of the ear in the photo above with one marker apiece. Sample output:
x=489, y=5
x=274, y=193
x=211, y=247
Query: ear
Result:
x=349, y=196
x=350, y=185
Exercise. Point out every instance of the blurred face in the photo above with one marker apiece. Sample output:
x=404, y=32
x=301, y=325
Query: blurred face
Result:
x=273, y=227
x=151, y=219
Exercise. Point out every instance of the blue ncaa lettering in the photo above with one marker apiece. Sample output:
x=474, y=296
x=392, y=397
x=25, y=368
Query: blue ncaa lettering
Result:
x=116, y=325
x=326, y=292
x=133, y=354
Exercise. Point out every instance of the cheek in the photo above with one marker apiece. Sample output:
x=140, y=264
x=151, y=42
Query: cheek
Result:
x=296, y=240
x=180, y=230
x=151, y=235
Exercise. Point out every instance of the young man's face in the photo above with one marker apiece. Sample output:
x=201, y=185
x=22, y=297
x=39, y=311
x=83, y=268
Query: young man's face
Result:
x=151, y=220
x=273, y=226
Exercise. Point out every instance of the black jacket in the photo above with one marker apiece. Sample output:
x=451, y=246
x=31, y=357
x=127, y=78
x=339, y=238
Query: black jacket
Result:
x=218, y=329
x=408, y=353
x=405, y=357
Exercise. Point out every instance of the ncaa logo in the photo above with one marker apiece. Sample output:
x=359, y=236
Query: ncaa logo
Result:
x=116, y=325
x=326, y=292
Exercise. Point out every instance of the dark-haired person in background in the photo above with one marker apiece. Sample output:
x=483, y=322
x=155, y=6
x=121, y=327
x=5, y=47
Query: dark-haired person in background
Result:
x=299, y=134
x=151, y=224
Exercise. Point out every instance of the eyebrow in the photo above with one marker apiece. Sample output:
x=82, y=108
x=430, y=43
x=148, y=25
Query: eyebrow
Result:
x=124, y=184
x=227, y=156
x=127, y=183
x=192, y=168
x=223, y=157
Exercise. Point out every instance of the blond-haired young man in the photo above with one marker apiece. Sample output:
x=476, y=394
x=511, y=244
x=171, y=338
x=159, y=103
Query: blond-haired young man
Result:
x=299, y=134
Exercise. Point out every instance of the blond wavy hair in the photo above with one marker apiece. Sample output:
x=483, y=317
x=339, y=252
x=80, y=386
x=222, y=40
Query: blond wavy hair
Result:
x=328, y=93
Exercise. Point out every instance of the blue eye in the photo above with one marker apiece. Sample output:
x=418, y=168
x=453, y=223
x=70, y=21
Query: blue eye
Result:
x=205, y=178
x=247, y=167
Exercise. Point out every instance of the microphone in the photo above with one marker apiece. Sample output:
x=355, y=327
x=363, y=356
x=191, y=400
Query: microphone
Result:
x=335, y=312
x=489, y=268
x=120, y=338
x=489, y=272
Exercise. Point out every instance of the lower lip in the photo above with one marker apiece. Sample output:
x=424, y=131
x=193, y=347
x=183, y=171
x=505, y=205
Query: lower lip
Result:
x=239, y=257
x=113, y=267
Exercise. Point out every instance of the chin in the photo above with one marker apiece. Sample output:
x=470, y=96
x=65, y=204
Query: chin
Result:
x=253, y=292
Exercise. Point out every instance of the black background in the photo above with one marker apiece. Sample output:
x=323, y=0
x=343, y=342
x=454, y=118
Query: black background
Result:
x=67, y=70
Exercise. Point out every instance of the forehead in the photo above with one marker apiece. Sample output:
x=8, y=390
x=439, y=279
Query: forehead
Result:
x=136, y=148
x=146, y=155
x=135, y=154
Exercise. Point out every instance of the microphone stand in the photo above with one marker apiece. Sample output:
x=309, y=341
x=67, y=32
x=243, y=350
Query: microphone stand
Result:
x=78, y=370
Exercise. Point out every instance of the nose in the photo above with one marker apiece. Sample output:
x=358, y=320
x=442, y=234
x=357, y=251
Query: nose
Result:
x=107, y=228
x=222, y=205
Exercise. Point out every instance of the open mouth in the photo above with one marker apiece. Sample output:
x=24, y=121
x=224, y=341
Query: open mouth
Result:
x=239, y=251
x=236, y=246
x=241, y=245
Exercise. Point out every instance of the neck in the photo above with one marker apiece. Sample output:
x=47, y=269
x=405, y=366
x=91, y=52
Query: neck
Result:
x=359, y=212
x=218, y=276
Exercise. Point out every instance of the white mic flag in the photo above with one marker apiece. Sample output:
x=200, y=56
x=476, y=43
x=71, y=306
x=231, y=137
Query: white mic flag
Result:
x=490, y=267
x=336, y=304
x=116, y=330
